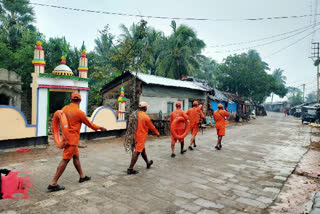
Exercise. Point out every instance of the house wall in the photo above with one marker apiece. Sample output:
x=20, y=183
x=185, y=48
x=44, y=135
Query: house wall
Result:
x=110, y=98
x=158, y=97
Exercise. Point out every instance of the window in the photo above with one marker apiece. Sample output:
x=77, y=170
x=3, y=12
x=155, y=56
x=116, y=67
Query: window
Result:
x=169, y=108
x=4, y=100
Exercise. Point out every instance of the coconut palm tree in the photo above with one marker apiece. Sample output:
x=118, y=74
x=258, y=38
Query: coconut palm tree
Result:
x=279, y=77
x=181, y=50
x=16, y=16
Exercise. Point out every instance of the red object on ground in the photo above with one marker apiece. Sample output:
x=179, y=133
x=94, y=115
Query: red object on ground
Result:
x=23, y=150
x=15, y=185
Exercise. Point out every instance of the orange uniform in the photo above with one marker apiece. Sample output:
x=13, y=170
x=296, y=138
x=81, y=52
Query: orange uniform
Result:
x=194, y=115
x=219, y=117
x=180, y=126
x=75, y=118
x=143, y=126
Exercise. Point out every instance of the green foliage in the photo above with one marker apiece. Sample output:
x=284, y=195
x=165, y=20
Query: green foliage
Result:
x=53, y=52
x=245, y=74
x=180, y=52
x=295, y=96
x=6, y=55
x=16, y=17
x=209, y=70
x=311, y=97
x=296, y=99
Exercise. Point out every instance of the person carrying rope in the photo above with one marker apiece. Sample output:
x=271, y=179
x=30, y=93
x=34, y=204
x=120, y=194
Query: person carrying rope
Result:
x=195, y=115
x=75, y=118
x=220, y=117
x=143, y=125
x=178, y=128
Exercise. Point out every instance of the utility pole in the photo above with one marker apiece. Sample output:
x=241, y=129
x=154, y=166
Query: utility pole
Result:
x=304, y=87
x=315, y=55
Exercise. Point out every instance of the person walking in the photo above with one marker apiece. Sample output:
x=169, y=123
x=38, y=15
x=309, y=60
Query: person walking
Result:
x=143, y=125
x=220, y=117
x=75, y=118
x=179, y=128
x=195, y=115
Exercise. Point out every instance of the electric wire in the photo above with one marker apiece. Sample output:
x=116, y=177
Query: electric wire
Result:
x=172, y=18
x=291, y=44
x=265, y=38
x=264, y=44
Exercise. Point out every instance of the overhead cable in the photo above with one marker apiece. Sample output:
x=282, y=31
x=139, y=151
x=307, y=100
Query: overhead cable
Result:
x=172, y=18
x=291, y=44
x=265, y=38
x=264, y=44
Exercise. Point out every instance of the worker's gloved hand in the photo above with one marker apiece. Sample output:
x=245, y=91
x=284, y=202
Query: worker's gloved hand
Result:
x=103, y=129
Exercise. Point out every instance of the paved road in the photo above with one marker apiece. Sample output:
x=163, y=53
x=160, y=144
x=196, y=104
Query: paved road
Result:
x=246, y=176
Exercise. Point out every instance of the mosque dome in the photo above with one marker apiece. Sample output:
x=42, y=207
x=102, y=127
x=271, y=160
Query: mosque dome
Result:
x=63, y=70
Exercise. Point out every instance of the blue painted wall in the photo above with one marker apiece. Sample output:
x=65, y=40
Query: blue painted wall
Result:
x=231, y=107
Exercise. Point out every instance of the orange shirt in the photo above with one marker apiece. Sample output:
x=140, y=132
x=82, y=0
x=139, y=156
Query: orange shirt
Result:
x=143, y=126
x=219, y=117
x=178, y=113
x=75, y=118
x=195, y=115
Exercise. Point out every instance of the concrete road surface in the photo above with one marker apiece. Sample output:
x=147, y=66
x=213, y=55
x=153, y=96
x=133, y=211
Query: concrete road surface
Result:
x=246, y=176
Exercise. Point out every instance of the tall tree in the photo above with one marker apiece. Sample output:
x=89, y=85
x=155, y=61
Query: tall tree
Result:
x=16, y=16
x=279, y=77
x=245, y=74
x=155, y=41
x=311, y=97
x=209, y=70
x=179, y=57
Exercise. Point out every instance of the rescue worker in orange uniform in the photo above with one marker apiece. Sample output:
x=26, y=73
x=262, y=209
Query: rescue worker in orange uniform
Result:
x=179, y=128
x=195, y=115
x=220, y=117
x=143, y=125
x=75, y=118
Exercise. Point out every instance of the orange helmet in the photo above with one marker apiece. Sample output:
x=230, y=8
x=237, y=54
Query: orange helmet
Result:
x=75, y=96
x=220, y=105
x=195, y=103
x=178, y=104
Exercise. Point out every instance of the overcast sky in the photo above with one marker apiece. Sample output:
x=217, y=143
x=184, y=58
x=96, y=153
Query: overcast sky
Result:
x=295, y=61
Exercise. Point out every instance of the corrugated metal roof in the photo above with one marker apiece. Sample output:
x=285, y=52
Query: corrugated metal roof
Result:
x=156, y=80
x=219, y=96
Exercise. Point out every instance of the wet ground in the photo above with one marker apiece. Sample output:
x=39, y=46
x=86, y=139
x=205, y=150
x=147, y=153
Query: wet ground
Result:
x=255, y=164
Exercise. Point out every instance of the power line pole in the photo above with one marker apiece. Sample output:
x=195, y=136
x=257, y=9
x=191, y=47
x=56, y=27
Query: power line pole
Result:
x=304, y=87
x=315, y=55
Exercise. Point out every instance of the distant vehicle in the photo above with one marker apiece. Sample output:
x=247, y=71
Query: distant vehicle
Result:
x=310, y=114
x=296, y=110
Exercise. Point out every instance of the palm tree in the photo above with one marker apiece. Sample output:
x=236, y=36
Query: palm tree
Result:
x=16, y=16
x=155, y=47
x=279, y=77
x=181, y=50
x=104, y=44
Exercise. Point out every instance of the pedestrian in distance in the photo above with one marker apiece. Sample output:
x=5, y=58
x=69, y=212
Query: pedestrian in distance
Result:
x=178, y=127
x=220, y=117
x=143, y=125
x=195, y=115
x=75, y=118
